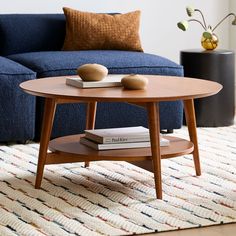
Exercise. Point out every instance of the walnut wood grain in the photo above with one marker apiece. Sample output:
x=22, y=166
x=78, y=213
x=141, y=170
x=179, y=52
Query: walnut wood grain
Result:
x=154, y=130
x=90, y=119
x=192, y=130
x=70, y=146
x=160, y=88
x=48, y=117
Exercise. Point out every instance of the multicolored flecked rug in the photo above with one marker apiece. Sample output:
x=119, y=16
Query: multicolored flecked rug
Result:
x=116, y=198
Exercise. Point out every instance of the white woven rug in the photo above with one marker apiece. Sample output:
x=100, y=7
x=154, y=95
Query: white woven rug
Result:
x=112, y=198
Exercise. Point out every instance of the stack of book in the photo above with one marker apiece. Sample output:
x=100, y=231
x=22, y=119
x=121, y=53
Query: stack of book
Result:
x=119, y=138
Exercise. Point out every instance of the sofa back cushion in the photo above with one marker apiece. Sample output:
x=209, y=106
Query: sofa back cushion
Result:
x=20, y=33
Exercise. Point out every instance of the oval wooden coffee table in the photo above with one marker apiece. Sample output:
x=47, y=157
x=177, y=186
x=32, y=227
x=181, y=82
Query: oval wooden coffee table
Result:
x=160, y=88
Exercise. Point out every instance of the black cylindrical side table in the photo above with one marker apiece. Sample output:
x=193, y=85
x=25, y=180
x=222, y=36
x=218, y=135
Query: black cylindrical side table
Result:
x=217, y=65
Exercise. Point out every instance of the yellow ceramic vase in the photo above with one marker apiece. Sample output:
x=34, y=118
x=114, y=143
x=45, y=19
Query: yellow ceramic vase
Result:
x=210, y=44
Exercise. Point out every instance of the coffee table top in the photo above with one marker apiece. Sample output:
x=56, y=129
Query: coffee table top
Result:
x=160, y=88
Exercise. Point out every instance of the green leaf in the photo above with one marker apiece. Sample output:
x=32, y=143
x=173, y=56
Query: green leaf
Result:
x=190, y=10
x=207, y=35
x=183, y=25
x=234, y=21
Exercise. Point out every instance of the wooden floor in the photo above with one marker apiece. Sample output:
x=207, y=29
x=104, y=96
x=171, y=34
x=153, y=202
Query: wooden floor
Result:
x=221, y=230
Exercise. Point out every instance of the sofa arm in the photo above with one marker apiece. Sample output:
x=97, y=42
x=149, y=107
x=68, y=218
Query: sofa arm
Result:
x=17, y=109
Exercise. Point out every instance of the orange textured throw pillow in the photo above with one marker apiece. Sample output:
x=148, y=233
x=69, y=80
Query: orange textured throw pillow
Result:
x=94, y=31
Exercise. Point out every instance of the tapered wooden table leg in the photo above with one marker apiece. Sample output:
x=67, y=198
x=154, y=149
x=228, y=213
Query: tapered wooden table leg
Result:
x=90, y=119
x=154, y=129
x=191, y=123
x=48, y=117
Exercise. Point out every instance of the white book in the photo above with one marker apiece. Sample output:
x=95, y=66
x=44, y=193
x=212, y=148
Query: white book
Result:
x=113, y=146
x=119, y=135
x=102, y=146
x=109, y=81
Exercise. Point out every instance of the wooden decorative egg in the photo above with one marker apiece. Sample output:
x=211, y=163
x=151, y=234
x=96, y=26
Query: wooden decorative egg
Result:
x=134, y=82
x=92, y=72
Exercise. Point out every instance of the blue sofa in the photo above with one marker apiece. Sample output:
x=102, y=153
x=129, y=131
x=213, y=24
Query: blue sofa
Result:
x=30, y=48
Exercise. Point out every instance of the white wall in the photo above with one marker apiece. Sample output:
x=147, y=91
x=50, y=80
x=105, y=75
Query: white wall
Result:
x=232, y=38
x=159, y=33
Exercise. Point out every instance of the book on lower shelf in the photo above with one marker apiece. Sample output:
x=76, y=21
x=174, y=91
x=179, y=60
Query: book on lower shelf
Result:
x=119, y=135
x=102, y=146
x=119, y=138
x=109, y=81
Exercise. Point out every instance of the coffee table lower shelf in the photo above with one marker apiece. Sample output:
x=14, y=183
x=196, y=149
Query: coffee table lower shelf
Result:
x=68, y=149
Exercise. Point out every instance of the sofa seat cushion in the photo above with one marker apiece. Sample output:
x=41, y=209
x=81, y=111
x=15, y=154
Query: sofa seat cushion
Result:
x=57, y=63
x=11, y=68
x=17, y=108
